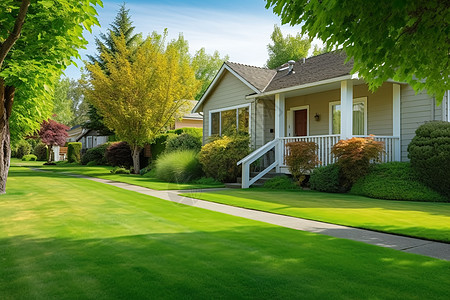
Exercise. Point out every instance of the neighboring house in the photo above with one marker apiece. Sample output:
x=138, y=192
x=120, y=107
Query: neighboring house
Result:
x=314, y=99
x=87, y=137
x=74, y=132
x=190, y=120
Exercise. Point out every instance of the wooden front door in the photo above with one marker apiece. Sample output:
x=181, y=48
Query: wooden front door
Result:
x=301, y=122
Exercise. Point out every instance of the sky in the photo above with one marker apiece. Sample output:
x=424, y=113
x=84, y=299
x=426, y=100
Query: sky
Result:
x=239, y=29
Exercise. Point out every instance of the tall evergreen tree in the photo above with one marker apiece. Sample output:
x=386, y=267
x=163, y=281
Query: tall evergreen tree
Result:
x=122, y=25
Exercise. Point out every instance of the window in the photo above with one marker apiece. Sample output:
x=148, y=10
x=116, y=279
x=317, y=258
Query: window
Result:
x=230, y=120
x=359, y=117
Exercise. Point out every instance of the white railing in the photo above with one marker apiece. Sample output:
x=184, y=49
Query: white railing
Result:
x=249, y=159
x=325, y=142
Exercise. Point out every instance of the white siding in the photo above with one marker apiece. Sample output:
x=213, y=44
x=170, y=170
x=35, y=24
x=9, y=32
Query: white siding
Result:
x=415, y=111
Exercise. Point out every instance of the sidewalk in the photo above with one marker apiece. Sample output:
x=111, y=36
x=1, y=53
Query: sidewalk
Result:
x=401, y=243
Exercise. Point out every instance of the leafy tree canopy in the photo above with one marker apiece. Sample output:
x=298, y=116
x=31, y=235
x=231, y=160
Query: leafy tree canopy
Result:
x=62, y=105
x=286, y=48
x=141, y=96
x=407, y=40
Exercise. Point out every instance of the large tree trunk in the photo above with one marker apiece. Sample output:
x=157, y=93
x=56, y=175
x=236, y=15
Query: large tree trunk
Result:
x=6, y=102
x=135, y=154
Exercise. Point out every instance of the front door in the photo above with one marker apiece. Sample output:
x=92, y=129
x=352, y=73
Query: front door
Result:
x=301, y=122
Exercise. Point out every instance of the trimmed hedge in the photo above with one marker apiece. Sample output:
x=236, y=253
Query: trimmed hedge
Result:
x=281, y=183
x=40, y=150
x=395, y=181
x=96, y=155
x=429, y=152
x=179, y=166
x=74, y=152
x=183, y=141
x=158, y=146
x=29, y=157
x=197, y=132
x=219, y=158
x=22, y=148
x=326, y=179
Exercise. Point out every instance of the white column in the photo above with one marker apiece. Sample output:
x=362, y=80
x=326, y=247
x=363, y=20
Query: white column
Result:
x=280, y=112
x=346, y=109
x=56, y=153
x=396, y=120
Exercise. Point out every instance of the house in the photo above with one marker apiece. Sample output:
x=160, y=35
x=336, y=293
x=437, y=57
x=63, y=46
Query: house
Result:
x=87, y=137
x=191, y=119
x=315, y=99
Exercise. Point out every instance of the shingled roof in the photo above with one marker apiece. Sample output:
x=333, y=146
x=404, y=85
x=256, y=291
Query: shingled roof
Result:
x=258, y=77
x=314, y=69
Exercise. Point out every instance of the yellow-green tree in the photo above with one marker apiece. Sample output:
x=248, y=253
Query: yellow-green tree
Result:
x=142, y=95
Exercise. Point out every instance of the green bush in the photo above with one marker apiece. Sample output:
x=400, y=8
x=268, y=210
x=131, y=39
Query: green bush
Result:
x=92, y=163
x=219, y=158
x=158, y=146
x=207, y=181
x=197, y=132
x=22, y=148
x=183, y=141
x=119, y=170
x=29, y=157
x=96, y=155
x=395, y=181
x=326, y=179
x=74, y=152
x=40, y=150
x=281, y=183
x=429, y=152
x=179, y=166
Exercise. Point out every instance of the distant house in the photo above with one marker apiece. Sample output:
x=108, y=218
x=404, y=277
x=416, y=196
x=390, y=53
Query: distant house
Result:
x=315, y=99
x=191, y=119
x=87, y=137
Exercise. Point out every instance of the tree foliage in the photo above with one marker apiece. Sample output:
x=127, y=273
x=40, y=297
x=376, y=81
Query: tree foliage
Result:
x=407, y=41
x=140, y=96
x=53, y=133
x=62, y=105
x=286, y=48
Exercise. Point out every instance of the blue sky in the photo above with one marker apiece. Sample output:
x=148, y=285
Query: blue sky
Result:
x=240, y=29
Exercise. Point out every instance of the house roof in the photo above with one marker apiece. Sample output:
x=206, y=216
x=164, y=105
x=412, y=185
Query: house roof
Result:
x=313, y=69
x=257, y=77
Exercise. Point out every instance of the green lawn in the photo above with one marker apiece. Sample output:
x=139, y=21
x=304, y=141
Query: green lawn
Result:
x=104, y=172
x=418, y=219
x=70, y=238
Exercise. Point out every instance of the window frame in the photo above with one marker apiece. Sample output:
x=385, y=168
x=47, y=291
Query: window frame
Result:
x=355, y=101
x=236, y=108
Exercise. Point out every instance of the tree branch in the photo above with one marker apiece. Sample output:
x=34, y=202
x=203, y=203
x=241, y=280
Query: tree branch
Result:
x=15, y=34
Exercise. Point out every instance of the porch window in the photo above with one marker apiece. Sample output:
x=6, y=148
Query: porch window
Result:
x=359, y=117
x=228, y=121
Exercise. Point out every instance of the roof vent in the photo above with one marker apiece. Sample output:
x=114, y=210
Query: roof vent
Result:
x=291, y=66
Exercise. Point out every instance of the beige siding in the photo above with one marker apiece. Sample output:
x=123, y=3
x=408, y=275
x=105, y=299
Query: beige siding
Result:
x=229, y=91
x=379, y=109
x=415, y=111
x=188, y=123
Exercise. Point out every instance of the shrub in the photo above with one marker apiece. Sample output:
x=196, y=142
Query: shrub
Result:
x=197, y=132
x=280, y=183
x=354, y=157
x=159, y=144
x=183, y=141
x=92, y=163
x=219, y=158
x=395, y=181
x=73, y=152
x=22, y=148
x=29, y=157
x=178, y=166
x=301, y=158
x=119, y=170
x=96, y=155
x=40, y=150
x=429, y=152
x=119, y=154
x=326, y=179
x=207, y=181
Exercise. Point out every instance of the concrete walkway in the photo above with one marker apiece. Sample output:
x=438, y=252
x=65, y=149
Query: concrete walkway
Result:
x=405, y=244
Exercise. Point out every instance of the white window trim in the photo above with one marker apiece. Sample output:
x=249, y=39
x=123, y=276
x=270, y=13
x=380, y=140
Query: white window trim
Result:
x=236, y=107
x=355, y=100
x=291, y=120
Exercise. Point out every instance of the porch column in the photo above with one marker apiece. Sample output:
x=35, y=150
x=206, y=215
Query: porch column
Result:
x=346, y=109
x=56, y=153
x=280, y=111
x=396, y=120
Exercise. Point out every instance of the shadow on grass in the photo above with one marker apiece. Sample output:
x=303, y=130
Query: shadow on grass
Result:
x=248, y=262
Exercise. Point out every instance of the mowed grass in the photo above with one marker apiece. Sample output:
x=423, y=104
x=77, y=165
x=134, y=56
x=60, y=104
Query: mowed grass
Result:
x=427, y=220
x=104, y=173
x=70, y=238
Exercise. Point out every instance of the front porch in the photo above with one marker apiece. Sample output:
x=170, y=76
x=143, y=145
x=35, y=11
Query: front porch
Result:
x=331, y=115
